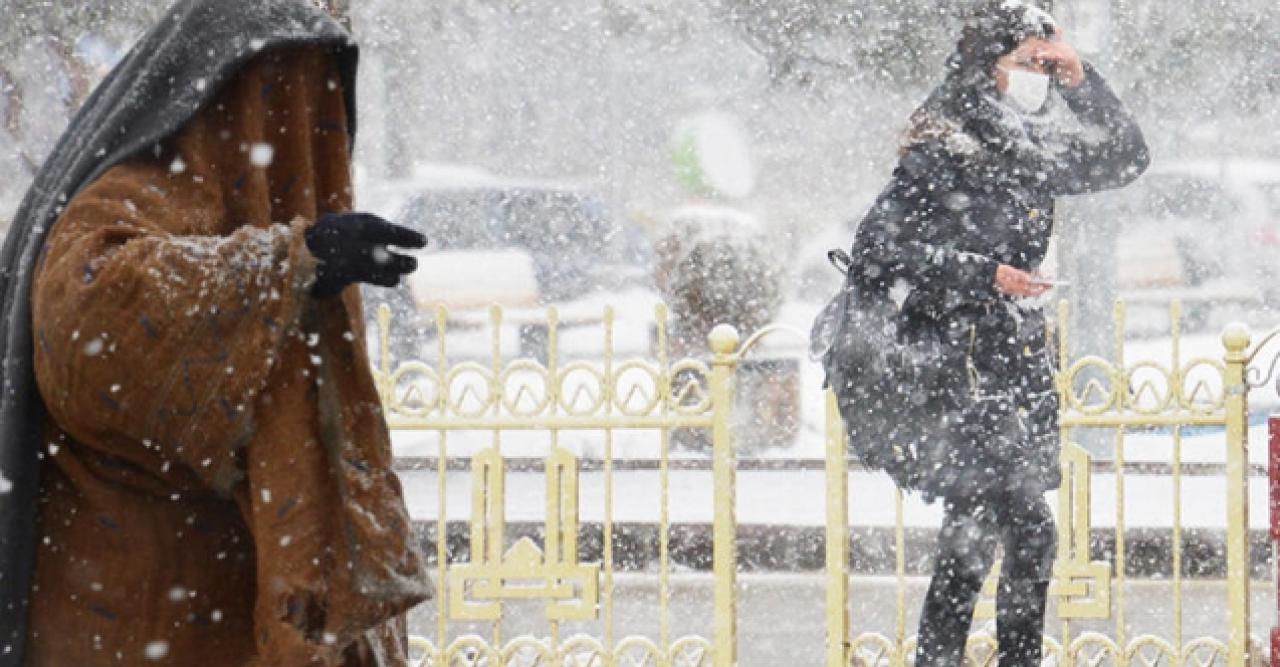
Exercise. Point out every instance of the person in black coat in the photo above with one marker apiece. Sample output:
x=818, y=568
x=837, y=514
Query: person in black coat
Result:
x=955, y=242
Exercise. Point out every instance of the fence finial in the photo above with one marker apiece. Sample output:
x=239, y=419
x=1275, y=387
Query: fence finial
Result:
x=1236, y=338
x=724, y=339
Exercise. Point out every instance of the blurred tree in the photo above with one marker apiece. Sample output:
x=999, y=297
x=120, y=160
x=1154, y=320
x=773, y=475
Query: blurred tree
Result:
x=590, y=87
x=67, y=21
x=60, y=30
x=46, y=71
x=804, y=41
x=1201, y=63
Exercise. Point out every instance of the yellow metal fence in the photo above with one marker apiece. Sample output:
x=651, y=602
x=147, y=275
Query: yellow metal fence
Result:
x=474, y=408
x=602, y=397
x=1120, y=396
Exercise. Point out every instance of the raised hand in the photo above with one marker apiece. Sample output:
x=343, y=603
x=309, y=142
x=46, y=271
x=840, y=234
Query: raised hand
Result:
x=353, y=248
x=1019, y=283
x=1061, y=61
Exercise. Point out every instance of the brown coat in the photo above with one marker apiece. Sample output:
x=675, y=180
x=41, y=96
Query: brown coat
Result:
x=218, y=487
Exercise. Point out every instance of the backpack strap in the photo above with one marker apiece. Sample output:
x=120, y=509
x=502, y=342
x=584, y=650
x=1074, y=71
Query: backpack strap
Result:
x=841, y=260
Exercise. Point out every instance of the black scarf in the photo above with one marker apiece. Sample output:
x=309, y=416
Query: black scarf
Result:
x=966, y=119
x=174, y=70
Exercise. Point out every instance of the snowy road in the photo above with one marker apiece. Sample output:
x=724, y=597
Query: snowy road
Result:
x=782, y=616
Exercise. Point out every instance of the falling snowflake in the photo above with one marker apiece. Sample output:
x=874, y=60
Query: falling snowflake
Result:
x=156, y=650
x=261, y=155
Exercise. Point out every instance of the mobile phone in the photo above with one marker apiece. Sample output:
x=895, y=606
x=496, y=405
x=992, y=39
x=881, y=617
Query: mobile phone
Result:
x=1050, y=282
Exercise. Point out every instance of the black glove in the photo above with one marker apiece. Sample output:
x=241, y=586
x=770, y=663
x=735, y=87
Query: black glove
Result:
x=352, y=248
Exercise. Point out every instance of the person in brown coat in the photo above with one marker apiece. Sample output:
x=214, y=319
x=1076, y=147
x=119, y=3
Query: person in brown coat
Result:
x=216, y=485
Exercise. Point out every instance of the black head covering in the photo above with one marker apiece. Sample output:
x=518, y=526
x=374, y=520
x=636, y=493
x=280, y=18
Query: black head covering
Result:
x=168, y=77
x=996, y=28
x=962, y=103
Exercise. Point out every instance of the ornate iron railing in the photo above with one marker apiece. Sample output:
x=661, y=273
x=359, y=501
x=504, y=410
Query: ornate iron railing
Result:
x=1121, y=396
x=608, y=395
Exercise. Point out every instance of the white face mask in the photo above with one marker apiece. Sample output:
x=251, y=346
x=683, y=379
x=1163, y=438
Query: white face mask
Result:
x=1027, y=90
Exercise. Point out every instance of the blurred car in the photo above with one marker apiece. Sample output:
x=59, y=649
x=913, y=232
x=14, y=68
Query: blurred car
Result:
x=575, y=246
x=466, y=280
x=1204, y=231
x=523, y=245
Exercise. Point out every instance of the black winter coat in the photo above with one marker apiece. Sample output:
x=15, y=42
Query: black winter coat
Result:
x=971, y=193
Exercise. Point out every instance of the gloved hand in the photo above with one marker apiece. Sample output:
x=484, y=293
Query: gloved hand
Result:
x=352, y=248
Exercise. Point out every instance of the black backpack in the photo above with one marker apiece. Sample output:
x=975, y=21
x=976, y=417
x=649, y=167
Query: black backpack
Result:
x=887, y=374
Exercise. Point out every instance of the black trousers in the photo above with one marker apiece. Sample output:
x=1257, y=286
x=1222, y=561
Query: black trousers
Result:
x=1022, y=523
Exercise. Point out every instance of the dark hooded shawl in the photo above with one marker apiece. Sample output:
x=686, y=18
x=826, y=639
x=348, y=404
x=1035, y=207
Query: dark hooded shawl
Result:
x=169, y=76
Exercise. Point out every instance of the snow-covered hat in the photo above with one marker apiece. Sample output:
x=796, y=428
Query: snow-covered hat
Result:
x=997, y=27
x=324, y=5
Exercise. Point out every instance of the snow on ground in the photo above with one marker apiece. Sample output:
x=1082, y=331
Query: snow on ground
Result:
x=782, y=616
x=798, y=498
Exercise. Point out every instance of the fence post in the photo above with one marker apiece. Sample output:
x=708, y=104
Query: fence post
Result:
x=1236, y=339
x=382, y=374
x=837, y=538
x=724, y=344
x=1273, y=474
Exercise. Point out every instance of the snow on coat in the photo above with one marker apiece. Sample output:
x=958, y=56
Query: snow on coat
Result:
x=975, y=189
x=171, y=73
x=217, y=479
